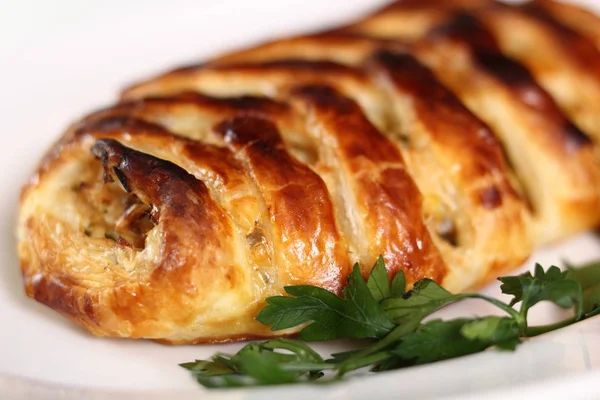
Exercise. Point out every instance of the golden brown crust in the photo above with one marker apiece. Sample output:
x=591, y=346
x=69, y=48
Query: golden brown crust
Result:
x=489, y=216
x=172, y=214
x=535, y=131
x=114, y=289
x=564, y=62
x=578, y=19
x=382, y=203
x=441, y=204
x=285, y=231
x=580, y=48
x=300, y=209
x=341, y=47
x=267, y=78
x=524, y=108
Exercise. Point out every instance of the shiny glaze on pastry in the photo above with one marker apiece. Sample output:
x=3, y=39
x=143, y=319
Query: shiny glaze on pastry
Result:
x=428, y=132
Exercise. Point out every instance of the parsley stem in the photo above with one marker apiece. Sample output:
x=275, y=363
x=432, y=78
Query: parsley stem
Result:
x=307, y=367
x=538, y=330
x=354, y=362
x=505, y=307
x=357, y=363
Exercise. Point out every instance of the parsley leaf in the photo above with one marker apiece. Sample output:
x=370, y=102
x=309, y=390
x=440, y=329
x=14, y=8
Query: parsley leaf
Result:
x=438, y=340
x=357, y=315
x=425, y=298
x=588, y=276
x=500, y=331
x=398, y=285
x=551, y=285
x=392, y=319
x=260, y=364
x=264, y=366
x=216, y=366
x=378, y=282
x=380, y=285
x=407, y=312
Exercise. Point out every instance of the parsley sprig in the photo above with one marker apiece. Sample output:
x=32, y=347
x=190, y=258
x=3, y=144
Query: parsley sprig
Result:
x=393, y=318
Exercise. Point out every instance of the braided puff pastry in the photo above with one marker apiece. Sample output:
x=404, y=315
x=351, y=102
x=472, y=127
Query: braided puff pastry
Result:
x=172, y=214
x=454, y=158
x=554, y=158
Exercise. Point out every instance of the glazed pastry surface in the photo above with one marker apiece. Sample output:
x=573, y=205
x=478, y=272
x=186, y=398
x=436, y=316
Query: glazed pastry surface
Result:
x=429, y=132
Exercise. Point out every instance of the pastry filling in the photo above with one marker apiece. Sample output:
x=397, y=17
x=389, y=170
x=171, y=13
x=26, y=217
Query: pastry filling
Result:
x=446, y=230
x=439, y=219
x=108, y=212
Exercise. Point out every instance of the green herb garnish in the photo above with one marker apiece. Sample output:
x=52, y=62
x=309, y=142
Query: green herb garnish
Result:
x=393, y=320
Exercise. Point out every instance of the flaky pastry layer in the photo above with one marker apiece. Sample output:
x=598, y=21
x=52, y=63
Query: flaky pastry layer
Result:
x=429, y=132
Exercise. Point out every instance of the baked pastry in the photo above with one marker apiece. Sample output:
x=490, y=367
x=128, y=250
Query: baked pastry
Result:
x=172, y=214
x=457, y=163
x=470, y=46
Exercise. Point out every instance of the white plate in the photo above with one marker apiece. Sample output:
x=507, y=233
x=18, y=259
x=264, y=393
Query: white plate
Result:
x=63, y=58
